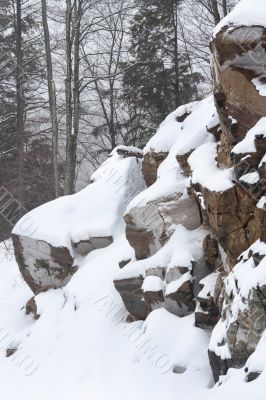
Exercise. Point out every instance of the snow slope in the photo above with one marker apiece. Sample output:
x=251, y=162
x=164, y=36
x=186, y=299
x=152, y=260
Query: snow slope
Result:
x=81, y=347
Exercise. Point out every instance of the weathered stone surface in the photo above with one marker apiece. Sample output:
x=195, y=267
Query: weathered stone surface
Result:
x=84, y=247
x=42, y=265
x=200, y=270
x=219, y=366
x=151, y=163
x=236, y=95
x=243, y=317
x=260, y=223
x=31, y=308
x=123, y=263
x=133, y=297
x=207, y=311
x=142, y=240
x=207, y=314
x=183, y=162
x=154, y=299
x=231, y=217
x=181, y=301
x=129, y=152
x=211, y=251
x=149, y=226
x=224, y=152
x=252, y=375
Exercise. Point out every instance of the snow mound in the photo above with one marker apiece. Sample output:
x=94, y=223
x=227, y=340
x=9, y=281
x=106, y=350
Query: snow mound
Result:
x=100, y=206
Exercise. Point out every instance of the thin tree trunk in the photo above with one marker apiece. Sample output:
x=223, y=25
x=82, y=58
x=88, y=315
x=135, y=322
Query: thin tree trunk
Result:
x=76, y=89
x=69, y=179
x=215, y=10
x=225, y=9
x=20, y=108
x=72, y=77
x=52, y=97
x=176, y=55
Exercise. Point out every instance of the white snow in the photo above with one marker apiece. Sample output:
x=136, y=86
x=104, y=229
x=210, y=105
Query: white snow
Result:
x=250, y=178
x=247, y=145
x=205, y=171
x=100, y=206
x=173, y=287
x=247, y=13
x=152, y=284
x=183, y=247
x=189, y=135
x=169, y=129
x=247, y=274
x=262, y=202
x=208, y=283
x=260, y=85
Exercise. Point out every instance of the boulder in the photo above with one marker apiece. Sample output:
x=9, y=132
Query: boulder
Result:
x=231, y=217
x=151, y=163
x=149, y=226
x=132, y=295
x=179, y=297
x=42, y=265
x=235, y=66
x=84, y=247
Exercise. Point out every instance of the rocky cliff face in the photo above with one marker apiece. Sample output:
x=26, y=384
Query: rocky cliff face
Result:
x=194, y=209
x=225, y=194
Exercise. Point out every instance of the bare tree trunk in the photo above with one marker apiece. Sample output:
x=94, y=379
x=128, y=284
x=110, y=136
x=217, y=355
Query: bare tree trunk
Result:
x=69, y=180
x=76, y=83
x=176, y=53
x=20, y=108
x=72, y=77
x=52, y=97
x=215, y=11
x=225, y=9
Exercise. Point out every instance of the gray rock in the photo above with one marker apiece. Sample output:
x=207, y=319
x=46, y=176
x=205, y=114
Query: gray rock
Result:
x=42, y=265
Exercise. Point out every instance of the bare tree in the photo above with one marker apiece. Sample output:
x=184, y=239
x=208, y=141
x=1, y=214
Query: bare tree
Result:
x=52, y=97
x=20, y=106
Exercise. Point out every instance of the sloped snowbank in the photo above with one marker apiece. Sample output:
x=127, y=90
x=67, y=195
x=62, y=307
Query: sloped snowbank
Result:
x=100, y=206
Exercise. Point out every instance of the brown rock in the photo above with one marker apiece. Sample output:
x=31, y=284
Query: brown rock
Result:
x=236, y=96
x=231, y=217
x=149, y=226
x=211, y=251
x=151, y=163
x=31, y=308
x=182, y=160
x=127, y=152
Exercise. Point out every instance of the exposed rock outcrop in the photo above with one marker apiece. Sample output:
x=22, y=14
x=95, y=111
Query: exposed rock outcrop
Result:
x=42, y=265
x=243, y=315
x=148, y=227
x=151, y=163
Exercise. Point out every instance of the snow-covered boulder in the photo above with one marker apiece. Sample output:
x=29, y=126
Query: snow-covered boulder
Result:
x=73, y=226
